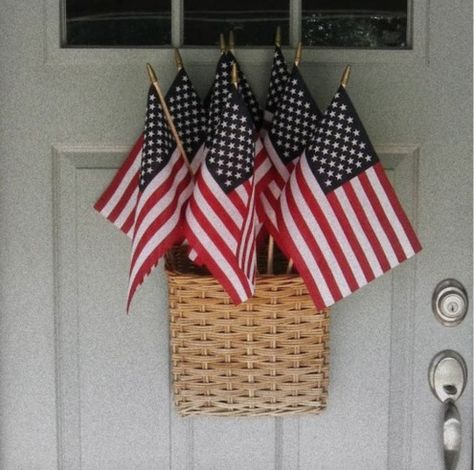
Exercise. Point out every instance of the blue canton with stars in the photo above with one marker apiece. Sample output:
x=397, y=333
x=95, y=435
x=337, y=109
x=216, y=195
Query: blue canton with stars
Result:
x=295, y=119
x=232, y=153
x=220, y=90
x=278, y=78
x=340, y=149
x=158, y=144
x=187, y=112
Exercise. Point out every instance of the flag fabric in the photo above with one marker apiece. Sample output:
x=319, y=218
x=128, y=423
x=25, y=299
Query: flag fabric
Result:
x=220, y=217
x=294, y=123
x=214, y=104
x=278, y=77
x=339, y=217
x=118, y=202
x=165, y=184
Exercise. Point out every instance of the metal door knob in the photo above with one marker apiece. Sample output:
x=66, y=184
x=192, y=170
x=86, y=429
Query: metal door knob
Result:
x=450, y=302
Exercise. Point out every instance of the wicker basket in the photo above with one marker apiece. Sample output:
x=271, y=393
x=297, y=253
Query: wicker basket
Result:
x=268, y=356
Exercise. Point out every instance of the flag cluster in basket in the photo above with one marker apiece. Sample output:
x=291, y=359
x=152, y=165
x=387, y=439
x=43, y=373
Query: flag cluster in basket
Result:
x=224, y=175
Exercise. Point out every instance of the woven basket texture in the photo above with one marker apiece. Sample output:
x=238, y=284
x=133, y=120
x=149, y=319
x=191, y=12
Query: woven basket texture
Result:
x=267, y=356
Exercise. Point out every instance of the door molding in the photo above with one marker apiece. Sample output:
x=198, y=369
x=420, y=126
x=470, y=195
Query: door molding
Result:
x=401, y=161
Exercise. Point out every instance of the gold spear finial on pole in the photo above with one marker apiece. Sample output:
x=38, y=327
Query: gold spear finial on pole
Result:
x=169, y=119
x=231, y=41
x=235, y=75
x=178, y=59
x=345, y=76
x=299, y=53
x=222, y=44
x=278, y=37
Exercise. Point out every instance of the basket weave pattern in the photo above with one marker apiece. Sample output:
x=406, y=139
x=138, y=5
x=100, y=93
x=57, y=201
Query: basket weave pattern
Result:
x=268, y=356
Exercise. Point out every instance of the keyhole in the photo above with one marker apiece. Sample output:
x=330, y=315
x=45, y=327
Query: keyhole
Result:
x=450, y=389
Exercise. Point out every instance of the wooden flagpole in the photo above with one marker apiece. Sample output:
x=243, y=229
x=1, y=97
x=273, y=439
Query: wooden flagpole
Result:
x=222, y=44
x=169, y=119
x=178, y=59
x=345, y=76
x=298, y=55
x=278, y=37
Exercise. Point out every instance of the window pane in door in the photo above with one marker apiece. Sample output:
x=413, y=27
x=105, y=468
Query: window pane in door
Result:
x=117, y=23
x=253, y=21
x=368, y=24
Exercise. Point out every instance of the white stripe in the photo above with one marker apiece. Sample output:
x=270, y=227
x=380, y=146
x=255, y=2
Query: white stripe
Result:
x=193, y=255
x=214, y=188
x=213, y=251
x=262, y=169
x=358, y=232
x=158, y=237
x=333, y=222
x=275, y=189
x=391, y=215
x=306, y=253
x=248, y=229
x=276, y=160
x=374, y=222
x=243, y=194
x=258, y=146
x=319, y=237
x=268, y=209
x=127, y=210
x=123, y=185
x=213, y=219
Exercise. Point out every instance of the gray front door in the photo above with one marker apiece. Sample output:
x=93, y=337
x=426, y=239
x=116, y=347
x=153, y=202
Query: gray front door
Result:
x=82, y=385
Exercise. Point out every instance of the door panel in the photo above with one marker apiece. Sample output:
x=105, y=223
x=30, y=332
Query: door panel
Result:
x=84, y=386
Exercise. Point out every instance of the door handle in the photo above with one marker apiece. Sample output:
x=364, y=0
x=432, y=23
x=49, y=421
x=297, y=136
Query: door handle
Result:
x=447, y=377
x=452, y=434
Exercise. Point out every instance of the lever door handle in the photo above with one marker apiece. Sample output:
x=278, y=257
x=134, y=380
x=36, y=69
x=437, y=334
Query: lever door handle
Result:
x=447, y=376
x=452, y=434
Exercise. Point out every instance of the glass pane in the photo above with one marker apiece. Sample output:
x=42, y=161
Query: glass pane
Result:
x=254, y=22
x=118, y=22
x=361, y=24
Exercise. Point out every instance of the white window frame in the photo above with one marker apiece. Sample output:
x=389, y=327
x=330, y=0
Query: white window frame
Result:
x=417, y=33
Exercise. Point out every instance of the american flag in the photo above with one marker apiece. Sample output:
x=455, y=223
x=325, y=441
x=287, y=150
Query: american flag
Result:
x=278, y=77
x=118, y=202
x=165, y=184
x=220, y=215
x=339, y=216
x=214, y=103
x=293, y=125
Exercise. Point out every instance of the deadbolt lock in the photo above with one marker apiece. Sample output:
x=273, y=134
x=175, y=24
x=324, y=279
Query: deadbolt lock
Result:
x=450, y=302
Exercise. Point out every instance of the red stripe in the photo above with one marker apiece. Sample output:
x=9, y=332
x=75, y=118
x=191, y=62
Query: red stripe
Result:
x=300, y=264
x=152, y=260
x=124, y=199
x=349, y=232
x=366, y=227
x=307, y=235
x=109, y=192
x=159, y=193
x=128, y=224
x=382, y=217
x=161, y=220
x=392, y=197
x=326, y=228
